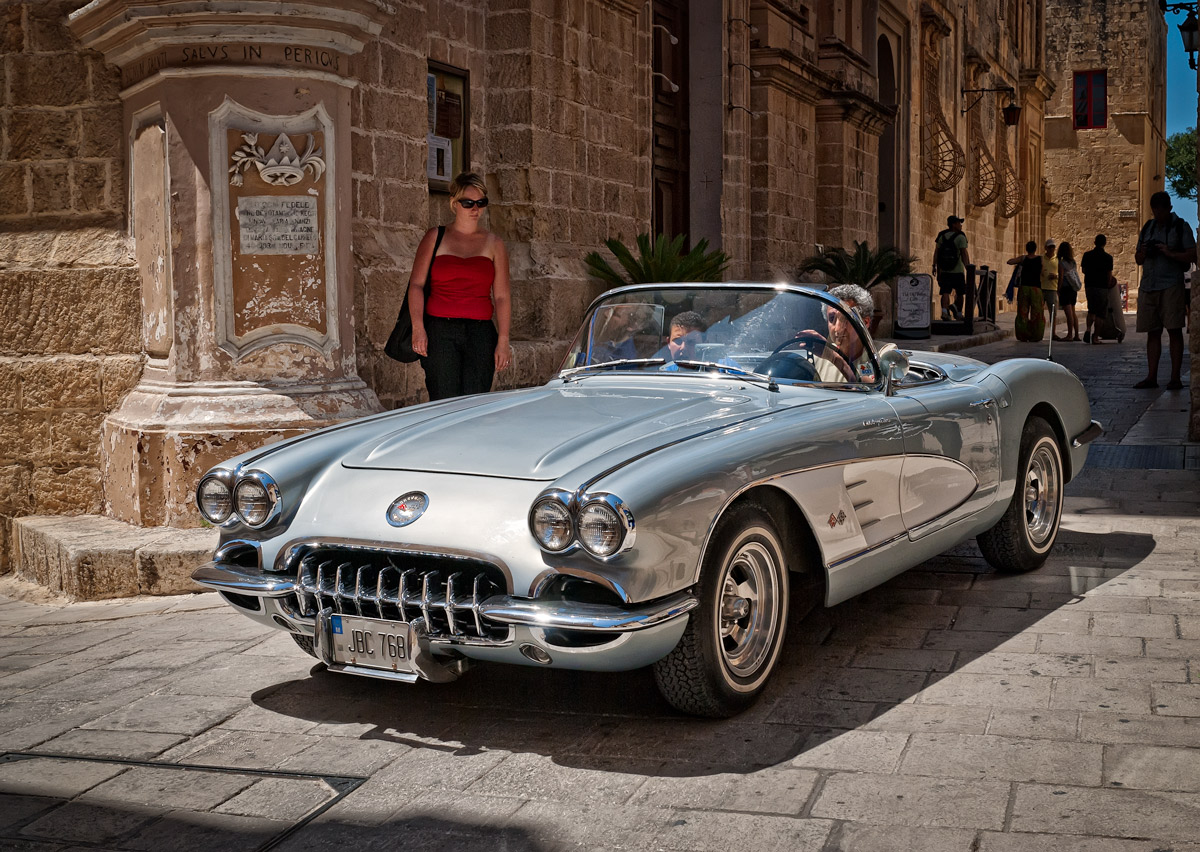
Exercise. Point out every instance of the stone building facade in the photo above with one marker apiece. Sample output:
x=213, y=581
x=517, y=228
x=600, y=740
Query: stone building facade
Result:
x=768, y=127
x=1105, y=123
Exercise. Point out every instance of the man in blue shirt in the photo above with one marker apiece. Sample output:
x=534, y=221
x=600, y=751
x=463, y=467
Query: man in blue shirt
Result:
x=1166, y=248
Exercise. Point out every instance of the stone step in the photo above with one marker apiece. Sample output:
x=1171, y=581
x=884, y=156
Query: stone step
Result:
x=91, y=557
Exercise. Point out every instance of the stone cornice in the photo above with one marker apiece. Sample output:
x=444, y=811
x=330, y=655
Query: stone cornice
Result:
x=629, y=7
x=790, y=73
x=1035, y=85
x=857, y=110
x=932, y=18
x=179, y=32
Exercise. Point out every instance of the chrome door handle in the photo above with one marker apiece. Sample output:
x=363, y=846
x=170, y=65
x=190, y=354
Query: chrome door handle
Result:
x=979, y=402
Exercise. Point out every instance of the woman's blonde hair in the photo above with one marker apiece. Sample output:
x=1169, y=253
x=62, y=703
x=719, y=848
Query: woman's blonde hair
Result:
x=465, y=181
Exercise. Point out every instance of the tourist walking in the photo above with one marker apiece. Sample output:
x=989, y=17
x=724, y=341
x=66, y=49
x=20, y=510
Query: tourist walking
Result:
x=1097, y=267
x=1050, y=286
x=1166, y=248
x=950, y=261
x=1069, y=286
x=452, y=324
x=1030, y=324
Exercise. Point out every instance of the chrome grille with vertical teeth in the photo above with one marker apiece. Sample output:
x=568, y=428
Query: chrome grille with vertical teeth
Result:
x=445, y=591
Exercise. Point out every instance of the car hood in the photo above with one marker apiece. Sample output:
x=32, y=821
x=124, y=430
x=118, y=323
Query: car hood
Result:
x=545, y=432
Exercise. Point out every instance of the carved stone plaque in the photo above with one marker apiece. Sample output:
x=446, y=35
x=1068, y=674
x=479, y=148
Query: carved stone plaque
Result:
x=275, y=276
x=278, y=224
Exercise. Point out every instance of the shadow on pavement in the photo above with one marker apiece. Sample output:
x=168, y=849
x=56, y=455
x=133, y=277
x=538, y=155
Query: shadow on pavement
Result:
x=842, y=668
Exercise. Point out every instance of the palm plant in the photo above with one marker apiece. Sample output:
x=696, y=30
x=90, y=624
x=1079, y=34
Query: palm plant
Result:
x=665, y=260
x=865, y=267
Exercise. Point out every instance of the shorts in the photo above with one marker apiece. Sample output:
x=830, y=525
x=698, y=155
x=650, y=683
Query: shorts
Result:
x=1161, y=309
x=1097, y=300
x=952, y=282
x=1067, y=297
x=1050, y=299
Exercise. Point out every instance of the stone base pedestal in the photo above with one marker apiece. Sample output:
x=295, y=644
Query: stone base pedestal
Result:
x=164, y=436
x=88, y=557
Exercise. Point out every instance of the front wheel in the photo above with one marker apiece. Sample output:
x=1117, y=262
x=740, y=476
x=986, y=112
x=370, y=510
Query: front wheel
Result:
x=1022, y=538
x=733, y=639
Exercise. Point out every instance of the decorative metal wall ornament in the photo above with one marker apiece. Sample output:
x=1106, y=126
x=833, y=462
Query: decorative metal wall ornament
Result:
x=983, y=180
x=281, y=166
x=1012, y=191
x=942, y=158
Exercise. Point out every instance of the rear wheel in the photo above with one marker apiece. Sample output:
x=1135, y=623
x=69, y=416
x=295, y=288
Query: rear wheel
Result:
x=733, y=638
x=1022, y=538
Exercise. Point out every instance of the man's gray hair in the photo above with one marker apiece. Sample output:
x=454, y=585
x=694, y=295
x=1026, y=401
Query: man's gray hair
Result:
x=864, y=305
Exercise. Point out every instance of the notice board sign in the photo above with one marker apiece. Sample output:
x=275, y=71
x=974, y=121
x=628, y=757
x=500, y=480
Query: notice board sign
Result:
x=914, y=300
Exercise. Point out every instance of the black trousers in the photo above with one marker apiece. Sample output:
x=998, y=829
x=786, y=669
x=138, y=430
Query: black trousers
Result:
x=462, y=356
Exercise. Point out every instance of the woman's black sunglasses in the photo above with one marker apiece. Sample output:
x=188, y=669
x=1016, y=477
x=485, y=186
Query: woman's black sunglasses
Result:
x=468, y=203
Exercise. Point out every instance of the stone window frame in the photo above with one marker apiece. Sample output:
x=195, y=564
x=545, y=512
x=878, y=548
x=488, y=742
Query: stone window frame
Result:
x=460, y=150
x=1084, y=113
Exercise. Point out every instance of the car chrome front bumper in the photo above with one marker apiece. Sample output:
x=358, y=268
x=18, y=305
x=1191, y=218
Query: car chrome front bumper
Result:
x=500, y=609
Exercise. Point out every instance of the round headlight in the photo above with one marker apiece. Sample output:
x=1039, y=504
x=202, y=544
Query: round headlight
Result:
x=253, y=502
x=600, y=530
x=550, y=523
x=214, y=500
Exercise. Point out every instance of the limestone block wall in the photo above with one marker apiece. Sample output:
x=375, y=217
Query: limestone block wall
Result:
x=560, y=132
x=70, y=318
x=988, y=45
x=1101, y=179
x=784, y=174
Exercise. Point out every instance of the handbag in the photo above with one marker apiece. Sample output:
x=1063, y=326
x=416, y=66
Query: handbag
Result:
x=399, y=342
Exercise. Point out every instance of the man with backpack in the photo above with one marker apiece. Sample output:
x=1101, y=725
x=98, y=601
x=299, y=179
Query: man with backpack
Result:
x=1165, y=250
x=950, y=265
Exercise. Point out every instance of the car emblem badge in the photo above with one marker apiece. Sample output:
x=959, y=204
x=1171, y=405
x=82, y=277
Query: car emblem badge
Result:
x=839, y=518
x=407, y=508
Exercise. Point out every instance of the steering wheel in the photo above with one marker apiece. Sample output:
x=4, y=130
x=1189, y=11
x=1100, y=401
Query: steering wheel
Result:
x=807, y=339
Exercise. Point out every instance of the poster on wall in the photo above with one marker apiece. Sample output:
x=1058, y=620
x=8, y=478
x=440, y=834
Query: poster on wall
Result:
x=447, y=92
x=440, y=158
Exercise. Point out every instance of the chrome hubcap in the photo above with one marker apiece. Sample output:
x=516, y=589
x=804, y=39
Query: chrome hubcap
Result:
x=749, y=612
x=1043, y=484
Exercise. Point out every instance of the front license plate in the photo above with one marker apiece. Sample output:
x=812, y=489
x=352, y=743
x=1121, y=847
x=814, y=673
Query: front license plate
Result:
x=371, y=642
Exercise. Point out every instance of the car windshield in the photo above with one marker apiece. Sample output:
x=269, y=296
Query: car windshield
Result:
x=790, y=335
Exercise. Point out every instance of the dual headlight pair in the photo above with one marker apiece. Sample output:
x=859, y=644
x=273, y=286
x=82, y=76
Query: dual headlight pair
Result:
x=252, y=496
x=599, y=523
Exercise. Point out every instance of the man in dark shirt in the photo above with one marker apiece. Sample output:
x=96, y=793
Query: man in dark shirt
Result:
x=1097, y=267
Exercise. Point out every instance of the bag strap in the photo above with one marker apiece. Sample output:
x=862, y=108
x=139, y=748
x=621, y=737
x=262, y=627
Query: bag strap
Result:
x=432, y=258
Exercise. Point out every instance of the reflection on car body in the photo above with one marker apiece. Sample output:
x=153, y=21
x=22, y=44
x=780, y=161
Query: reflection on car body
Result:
x=623, y=515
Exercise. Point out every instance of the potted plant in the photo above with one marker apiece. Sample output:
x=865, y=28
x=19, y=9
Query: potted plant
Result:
x=660, y=261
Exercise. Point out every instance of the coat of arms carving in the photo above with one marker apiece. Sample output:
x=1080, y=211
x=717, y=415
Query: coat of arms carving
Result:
x=281, y=166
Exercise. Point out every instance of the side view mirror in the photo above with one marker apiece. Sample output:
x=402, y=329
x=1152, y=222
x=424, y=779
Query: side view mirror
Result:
x=894, y=364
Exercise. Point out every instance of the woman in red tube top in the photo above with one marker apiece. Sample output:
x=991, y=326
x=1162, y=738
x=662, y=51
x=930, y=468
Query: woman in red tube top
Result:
x=453, y=332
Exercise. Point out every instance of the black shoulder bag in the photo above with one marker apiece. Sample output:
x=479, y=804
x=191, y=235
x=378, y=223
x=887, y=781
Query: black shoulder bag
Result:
x=399, y=342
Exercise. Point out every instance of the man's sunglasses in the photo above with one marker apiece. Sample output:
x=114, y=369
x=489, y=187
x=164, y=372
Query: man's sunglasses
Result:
x=468, y=203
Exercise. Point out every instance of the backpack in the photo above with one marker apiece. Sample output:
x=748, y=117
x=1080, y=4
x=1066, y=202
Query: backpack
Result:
x=947, y=254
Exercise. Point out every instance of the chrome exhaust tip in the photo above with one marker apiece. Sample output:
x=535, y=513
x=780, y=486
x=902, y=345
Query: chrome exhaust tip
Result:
x=538, y=655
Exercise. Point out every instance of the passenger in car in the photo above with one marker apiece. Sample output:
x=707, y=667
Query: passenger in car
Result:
x=686, y=334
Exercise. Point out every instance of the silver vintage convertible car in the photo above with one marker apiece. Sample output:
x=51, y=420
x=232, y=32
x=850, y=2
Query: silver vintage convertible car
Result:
x=706, y=454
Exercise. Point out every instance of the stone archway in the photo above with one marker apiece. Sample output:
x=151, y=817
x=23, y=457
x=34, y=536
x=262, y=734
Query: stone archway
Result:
x=888, y=185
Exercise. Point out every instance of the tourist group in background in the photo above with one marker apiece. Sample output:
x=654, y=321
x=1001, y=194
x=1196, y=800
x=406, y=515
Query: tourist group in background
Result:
x=1043, y=284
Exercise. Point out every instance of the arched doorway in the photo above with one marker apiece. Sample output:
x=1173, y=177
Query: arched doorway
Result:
x=885, y=63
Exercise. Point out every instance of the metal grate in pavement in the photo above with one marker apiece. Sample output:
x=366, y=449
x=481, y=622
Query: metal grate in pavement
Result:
x=111, y=803
x=1141, y=457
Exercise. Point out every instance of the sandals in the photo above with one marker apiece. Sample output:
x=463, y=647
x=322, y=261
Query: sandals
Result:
x=1145, y=384
x=1175, y=384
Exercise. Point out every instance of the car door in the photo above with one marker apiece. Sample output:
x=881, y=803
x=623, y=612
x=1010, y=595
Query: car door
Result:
x=951, y=446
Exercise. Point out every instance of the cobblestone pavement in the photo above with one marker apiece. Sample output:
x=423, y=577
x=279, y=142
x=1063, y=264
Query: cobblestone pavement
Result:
x=952, y=709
